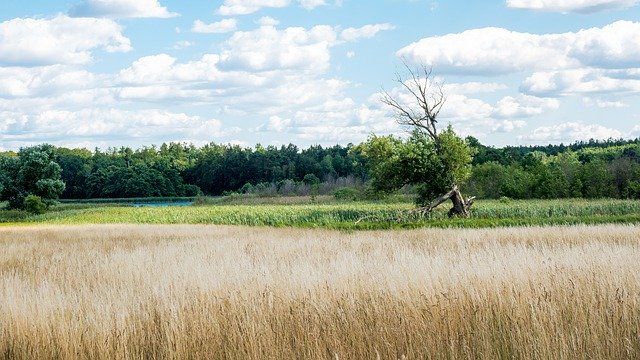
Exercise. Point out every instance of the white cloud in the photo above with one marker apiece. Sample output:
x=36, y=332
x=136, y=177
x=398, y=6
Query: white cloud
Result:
x=523, y=106
x=572, y=131
x=458, y=106
x=564, y=6
x=603, y=103
x=19, y=82
x=163, y=69
x=183, y=44
x=61, y=40
x=244, y=7
x=268, y=21
x=161, y=78
x=119, y=9
x=616, y=45
x=489, y=51
x=364, y=32
x=507, y=126
x=579, y=81
x=267, y=49
x=472, y=87
x=276, y=124
x=312, y=4
x=222, y=26
x=118, y=126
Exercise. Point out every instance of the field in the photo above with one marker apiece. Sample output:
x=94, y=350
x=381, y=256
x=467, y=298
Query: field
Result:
x=302, y=212
x=201, y=291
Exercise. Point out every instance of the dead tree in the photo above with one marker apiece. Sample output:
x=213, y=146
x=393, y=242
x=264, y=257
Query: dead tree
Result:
x=421, y=113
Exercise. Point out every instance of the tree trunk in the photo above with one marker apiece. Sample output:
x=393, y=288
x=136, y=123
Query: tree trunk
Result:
x=461, y=207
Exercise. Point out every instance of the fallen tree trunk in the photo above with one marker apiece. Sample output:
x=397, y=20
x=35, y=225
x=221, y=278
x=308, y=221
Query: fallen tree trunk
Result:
x=460, y=208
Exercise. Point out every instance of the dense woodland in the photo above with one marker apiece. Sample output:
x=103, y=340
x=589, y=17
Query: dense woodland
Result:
x=591, y=169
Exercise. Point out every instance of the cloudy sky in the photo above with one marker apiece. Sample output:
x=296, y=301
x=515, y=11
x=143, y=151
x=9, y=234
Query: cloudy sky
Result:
x=100, y=73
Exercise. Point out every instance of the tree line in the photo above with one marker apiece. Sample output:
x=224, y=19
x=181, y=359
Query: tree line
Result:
x=588, y=169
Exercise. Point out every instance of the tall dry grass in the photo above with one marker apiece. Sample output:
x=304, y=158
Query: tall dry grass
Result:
x=180, y=292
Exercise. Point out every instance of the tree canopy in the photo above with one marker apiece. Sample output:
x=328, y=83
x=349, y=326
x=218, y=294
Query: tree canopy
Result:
x=33, y=171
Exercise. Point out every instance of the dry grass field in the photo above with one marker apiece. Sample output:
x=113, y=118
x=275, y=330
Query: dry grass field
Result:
x=188, y=291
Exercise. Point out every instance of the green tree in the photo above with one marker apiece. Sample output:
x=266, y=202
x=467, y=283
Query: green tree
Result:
x=34, y=172
x=487, y=180
x=436, y=162
x=597, y=181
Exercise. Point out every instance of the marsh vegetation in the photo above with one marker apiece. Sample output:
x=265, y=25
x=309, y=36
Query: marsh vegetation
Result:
x=185, y=291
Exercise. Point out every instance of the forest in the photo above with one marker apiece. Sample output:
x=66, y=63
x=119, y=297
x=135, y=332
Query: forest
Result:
x=593, y=169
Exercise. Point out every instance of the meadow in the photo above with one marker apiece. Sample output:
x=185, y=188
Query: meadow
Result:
x=327, y=213
x=229, y=292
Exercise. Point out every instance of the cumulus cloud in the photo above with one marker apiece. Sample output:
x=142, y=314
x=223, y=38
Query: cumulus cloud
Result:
x=489, y=51
x=269, y=49
x=60, y=40
x=579, y=81
x=219, y=27
x=275, y=124
x=523, y=106
x=117, y=125
x=20, y=82
x=578, y=6
x=244, y=7
x=616, y=45
x=507, y=126
x=163, y=68
x=473, y=87
x=182, y=44
x=118, y=9
x=312, y=4
x=268, y=21
x=571, y=132
x=364, y=32
x=603, y=103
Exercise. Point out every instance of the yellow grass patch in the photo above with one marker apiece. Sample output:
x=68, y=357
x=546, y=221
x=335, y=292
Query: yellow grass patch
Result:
x=185, y=291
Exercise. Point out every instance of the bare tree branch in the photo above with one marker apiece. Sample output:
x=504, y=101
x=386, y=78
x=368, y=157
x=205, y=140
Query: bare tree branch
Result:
x=428, y=96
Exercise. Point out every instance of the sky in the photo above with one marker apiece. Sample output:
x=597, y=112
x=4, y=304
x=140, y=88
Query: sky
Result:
x=112, y=73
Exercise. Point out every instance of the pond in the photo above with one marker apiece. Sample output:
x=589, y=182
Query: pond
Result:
x=163, y=204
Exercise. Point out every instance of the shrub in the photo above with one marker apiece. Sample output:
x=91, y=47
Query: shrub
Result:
x=34, y=204
x=347, y=193
x=505, y=199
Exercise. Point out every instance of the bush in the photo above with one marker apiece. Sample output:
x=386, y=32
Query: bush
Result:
x=504, y=199
x=347, y=193
x=34, y=204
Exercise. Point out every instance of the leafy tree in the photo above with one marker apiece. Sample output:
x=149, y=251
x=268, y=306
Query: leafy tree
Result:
x=597, y=181
x=437, y=162
x=33, y=172
x=487, y=180
x=518, y=183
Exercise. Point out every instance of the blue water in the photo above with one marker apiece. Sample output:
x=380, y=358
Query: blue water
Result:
x=162, y=204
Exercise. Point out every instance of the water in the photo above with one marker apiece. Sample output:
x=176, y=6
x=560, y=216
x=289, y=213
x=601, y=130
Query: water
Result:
x=163, y=204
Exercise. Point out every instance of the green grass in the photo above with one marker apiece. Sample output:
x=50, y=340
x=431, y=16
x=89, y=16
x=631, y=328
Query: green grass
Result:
x=353, y=215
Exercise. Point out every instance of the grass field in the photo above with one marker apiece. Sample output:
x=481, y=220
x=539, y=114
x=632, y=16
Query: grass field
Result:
x=301, y=212
x=184, y=291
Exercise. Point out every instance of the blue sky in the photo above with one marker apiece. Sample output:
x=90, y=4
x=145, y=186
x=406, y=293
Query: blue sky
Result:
x=101, y=73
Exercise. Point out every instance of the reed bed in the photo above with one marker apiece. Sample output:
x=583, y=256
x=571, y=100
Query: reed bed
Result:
x=346, y=216
x=195, y=291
